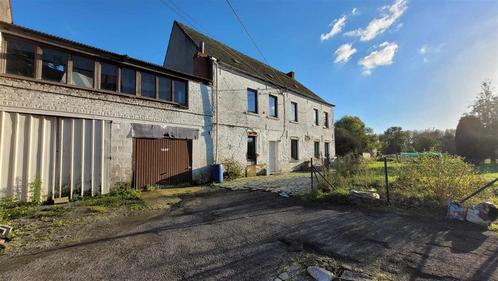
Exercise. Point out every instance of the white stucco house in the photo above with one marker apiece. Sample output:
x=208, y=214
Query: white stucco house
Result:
x=263, y=118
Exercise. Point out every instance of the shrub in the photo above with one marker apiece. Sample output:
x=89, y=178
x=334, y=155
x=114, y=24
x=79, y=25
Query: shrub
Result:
x=232, y=169
x=436, y=178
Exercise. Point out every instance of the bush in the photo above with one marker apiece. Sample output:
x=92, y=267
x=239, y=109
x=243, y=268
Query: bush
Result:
x=437, y=178
x=232, y=169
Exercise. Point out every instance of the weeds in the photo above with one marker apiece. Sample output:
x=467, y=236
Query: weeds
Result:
x=232, y=169
x=35, y=188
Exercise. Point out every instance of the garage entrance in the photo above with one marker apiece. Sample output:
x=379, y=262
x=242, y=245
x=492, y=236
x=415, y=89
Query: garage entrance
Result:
x=162, y=162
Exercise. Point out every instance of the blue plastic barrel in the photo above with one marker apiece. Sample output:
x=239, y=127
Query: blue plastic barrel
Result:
x=218, y=173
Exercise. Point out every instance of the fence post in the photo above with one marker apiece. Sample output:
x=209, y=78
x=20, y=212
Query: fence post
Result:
x=387, y=181
x=311, y=173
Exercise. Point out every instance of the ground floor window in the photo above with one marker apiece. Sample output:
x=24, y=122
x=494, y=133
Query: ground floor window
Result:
x=251, y=148
x=294, y=149
x=317, y=149
x=327, y=150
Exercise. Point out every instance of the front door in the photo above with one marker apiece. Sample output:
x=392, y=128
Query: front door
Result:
x=162, y=162
x=272, y=157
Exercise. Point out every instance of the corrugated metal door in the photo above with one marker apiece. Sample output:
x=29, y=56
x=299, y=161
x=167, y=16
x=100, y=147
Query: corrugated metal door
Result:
x=70, y=156
x=162, y=162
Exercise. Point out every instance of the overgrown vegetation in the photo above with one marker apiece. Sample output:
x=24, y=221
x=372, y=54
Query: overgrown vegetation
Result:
x=232, y=169
x=423, y=180
x=121, y=195
x=35, y=188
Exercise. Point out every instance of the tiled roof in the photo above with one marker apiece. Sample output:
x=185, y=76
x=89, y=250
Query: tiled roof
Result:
x=246, y=64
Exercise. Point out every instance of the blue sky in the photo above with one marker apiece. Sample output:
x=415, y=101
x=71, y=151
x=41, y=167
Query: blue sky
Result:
x=416, y=64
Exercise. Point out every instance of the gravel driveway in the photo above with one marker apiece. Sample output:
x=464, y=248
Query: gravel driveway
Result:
x=249, y=235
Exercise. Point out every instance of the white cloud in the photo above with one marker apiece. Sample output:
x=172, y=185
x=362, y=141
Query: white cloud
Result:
x=383, y=55
x=354, y=12
x=428, y=50
x=344, y=53
x=378, y=25
x=423, y=49
x=337, y=26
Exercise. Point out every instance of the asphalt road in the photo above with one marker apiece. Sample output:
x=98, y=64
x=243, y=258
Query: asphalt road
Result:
x=247, y=235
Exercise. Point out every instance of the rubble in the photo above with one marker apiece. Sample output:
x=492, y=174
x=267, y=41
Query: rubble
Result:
x=320, y=274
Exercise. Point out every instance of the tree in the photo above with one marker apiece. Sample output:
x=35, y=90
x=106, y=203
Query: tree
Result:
x=352, y=136
x=448, y=142
x=427, y=140
x=394, y=140
x=485, y=108
x=468, y=138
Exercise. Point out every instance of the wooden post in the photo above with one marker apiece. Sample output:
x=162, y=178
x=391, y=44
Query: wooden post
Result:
x=387, y=181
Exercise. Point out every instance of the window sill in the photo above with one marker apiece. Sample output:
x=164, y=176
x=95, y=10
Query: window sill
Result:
x=252, y=113
x=294, y=122
x=294, y=161
x=273, y=117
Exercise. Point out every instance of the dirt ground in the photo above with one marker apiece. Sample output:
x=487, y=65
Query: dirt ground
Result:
x=255, y=235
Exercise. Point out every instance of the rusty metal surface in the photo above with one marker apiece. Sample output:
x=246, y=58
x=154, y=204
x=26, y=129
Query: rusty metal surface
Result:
x=162, y=161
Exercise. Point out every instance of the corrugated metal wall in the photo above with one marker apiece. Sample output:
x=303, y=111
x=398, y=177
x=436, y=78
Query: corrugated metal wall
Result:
x=69, y=155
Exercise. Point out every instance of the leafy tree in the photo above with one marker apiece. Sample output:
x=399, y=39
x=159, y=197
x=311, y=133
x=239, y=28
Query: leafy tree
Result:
x=427, y=140
x=468, y=138
x=448, y=141
x=394, y=140
x=352, y=136
x=485, y=108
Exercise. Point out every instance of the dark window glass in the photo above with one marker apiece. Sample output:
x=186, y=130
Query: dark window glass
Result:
x=327, y=151
x=165, y=89
x=180, y=89
x=148, y=86
x=326, y=119
x=252, y=101
x=294, y=111
x=20, y=58
x=317, y=149
x=54, y=65
x=251, y=148
x=108, y=77
x=273, y=106
x=128, y=81
x=294, y=150
x=83, y=69
x=317, y=118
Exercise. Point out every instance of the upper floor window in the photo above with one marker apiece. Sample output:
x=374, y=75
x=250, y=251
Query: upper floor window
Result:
x=326, y=119
x=180, y=92
x=54, y=65
x=20, y=58
x=128, y=81
x=272, y=106
x=327, y=150
x=108, y=77
x=83, y=70
x=148, y=85
x=293, y=111
x=165, y=89
x=252, y=101
x=317, y=117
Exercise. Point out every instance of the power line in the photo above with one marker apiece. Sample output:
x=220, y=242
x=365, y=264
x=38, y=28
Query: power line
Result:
x=245, y=30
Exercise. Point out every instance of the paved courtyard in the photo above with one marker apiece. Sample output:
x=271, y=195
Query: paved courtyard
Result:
x=288, y=183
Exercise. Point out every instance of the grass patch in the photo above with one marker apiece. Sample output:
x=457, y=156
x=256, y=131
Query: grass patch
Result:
x=118, y=198
x=493, y=227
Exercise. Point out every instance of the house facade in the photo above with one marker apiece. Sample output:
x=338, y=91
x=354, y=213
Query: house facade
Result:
x=76, y=120
x=263, y=119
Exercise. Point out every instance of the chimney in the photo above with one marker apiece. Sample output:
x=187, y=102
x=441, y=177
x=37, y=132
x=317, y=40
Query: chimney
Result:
x=291, y=74
x=5, y=11
x=202, y=47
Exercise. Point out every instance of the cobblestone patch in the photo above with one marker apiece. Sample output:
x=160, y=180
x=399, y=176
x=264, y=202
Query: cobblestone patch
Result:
x=289, y=184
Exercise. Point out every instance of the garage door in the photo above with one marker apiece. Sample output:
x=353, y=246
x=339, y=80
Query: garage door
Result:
x=162, y=162
x=69, y=156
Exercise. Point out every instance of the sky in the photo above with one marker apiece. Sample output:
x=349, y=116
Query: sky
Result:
x=417, y=64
